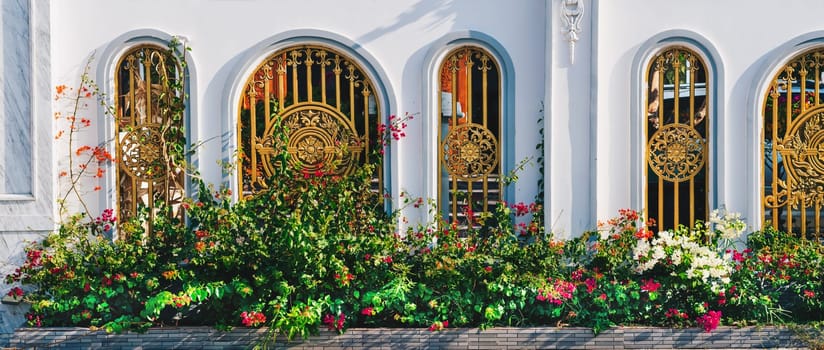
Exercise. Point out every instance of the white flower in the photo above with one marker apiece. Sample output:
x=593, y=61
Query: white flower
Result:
x=641, y=249
x=658, y=253
x=676, y=257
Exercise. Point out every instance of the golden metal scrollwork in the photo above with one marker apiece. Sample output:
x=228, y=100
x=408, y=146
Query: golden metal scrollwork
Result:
x=793, y=146
x=803, y=154
x=470, y=151
x=320, y=139
x=148, y=81
x=677, y=129
x=676, y=152
x=142, y=153
x=327, y=102
x=469, y=136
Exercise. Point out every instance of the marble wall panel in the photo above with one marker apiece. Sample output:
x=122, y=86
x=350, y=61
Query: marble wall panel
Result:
x=26, y=135
x=16, y=172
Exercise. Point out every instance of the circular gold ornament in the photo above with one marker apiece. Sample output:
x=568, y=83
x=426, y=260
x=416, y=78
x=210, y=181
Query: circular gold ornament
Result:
x=319, y=139
x=469, y=151
x=142, y=153
x=676, y=152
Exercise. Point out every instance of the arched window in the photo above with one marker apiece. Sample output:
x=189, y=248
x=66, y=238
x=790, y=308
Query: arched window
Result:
x=677, y=128
x=469, y=134
x=149, y=131
x=793, y=152
x=324, y=99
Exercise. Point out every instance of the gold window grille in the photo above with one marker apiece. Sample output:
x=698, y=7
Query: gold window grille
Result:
x=327, y=103
x=677, y=127
x=469, y=153
x=149, y=132
x=793, y=147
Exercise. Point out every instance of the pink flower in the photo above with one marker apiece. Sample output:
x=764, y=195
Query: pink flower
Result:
x=591, y=284
x=650, y=285
x=709, y=321
x=329, y=321
x=332, y=323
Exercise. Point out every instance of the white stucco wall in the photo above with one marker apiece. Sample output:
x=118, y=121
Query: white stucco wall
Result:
x=588, y=105
x=397, y=34
x=748, y=36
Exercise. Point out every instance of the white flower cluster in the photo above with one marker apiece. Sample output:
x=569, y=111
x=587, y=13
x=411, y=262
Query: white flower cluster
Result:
x=678, y=252
x=729, y=226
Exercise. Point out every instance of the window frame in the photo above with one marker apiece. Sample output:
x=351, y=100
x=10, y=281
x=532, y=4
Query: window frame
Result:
x=433, y=60
x=637, y=136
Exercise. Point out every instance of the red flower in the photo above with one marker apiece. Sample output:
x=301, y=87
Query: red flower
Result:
x=252, y=318
x=809, y=294
x=368, y=311
x=488, y=269
x=643, y=233
x=15, y=292
x=438, y=326
x=650, y=285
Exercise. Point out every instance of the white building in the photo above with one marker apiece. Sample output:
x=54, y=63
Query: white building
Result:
x=598, y=76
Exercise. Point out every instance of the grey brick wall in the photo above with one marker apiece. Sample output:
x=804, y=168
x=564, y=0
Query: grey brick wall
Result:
x=385, y=338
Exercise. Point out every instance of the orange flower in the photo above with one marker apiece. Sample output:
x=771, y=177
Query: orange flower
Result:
x=60, y=89
x=643, y=233
x=82, y=149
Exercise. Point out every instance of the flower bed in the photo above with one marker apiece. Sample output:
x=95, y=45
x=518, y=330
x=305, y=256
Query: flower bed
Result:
x=386, y=338
x=316, y=249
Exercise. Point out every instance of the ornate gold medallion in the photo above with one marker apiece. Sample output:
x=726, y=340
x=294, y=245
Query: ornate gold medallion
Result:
x=676, y=152
x=142, y=155
x=470, y=151
x=319, y=138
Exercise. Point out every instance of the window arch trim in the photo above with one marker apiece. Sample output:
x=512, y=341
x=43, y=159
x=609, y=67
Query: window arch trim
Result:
x=256, y=55
x=104, y=71
x=641, y=63
x=772, y=63
x=438, y=52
